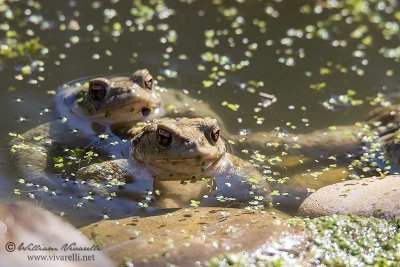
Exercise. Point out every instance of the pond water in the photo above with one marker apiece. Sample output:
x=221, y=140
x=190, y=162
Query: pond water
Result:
x=326, y=62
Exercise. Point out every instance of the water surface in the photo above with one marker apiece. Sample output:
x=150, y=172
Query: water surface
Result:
x=306, y=53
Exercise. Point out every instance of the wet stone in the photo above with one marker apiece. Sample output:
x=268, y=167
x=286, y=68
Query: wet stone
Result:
x=23, y=224
x=336, y=240
x=186, y=236
x=378, y=197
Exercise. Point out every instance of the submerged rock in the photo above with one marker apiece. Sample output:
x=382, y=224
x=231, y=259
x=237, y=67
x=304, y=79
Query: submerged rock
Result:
x=184, y=237
x=378, y=197
x=28, y=231
x=296, y=189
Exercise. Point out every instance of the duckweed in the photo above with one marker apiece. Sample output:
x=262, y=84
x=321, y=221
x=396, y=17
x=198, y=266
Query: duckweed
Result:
x=326, y=241
x=238, y=55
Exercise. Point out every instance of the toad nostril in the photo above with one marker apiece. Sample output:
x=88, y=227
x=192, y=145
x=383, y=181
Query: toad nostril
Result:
x=146, y=112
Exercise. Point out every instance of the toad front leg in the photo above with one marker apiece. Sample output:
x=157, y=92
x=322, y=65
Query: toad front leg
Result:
x=108, y=174
x=239, y=183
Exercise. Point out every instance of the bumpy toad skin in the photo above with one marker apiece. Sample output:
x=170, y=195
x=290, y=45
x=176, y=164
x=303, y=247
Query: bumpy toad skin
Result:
x=109, y=100
x=324, y=142
x=381, y=126
x=87, y=110
x=191, y=145
x=102, y=108
x=187, y=159
x=385, y=122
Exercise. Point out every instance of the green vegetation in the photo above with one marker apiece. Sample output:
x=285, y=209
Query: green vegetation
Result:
x=16, y=43
x=329, y=241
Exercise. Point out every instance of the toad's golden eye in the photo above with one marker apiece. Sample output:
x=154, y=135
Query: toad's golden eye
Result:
x=97, y=89
x=214, y=135
x=148, y=81
x=164, y=138
x=143, y=78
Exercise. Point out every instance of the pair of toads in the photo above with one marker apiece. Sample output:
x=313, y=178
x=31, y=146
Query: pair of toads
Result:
x=184, y=157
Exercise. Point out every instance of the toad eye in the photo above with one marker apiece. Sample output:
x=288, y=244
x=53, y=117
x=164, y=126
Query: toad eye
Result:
x=214, y=135
x=148, y=81
x=144, y=79
x=164, y=138
x=97, y=89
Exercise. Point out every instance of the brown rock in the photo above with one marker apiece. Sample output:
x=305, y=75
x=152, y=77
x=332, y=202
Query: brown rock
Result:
x=185, y=236
x=367, y=197
x=42, y=234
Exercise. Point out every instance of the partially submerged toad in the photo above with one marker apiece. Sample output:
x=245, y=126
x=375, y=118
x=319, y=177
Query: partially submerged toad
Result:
x=188, y=162
x=377, y=139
